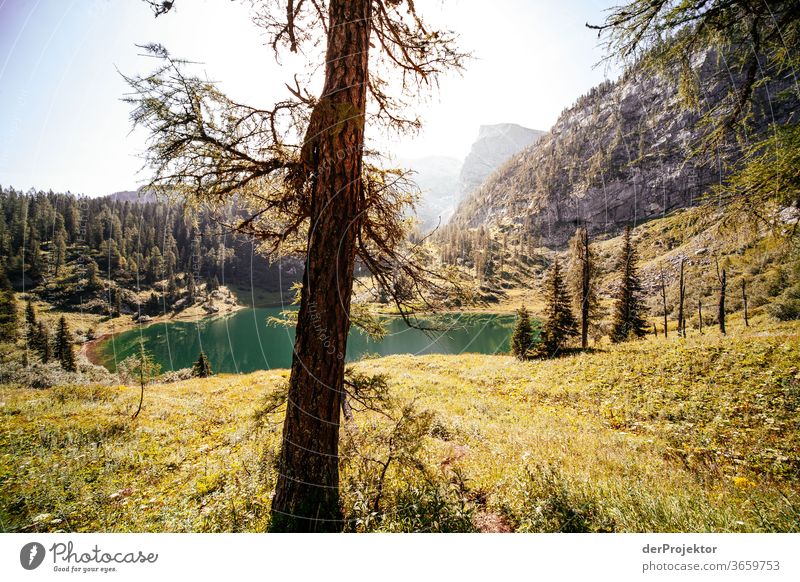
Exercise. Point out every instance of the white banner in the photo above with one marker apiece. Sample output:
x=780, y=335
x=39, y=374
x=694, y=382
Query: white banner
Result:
x=590, y=557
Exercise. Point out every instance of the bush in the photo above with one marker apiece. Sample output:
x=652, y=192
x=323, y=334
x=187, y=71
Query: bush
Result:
x=39, y=375
x=173, y=376
x=552, y=504
x=787, y=306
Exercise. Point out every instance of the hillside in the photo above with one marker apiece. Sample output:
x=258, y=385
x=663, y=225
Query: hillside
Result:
x=658, y=435
x=623, y=153
x=115, y=255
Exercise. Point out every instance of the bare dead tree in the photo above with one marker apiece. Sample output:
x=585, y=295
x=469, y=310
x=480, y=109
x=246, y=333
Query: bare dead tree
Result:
x=681, y=297
x=664, y=297
x=723, y=283
x=311, y=189
x=744, y=302
x=700, y=313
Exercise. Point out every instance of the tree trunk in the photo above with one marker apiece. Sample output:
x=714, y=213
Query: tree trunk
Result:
x=700, y=314
x=744, y=300
x=681, y=297
x=585, y=287
x=307, y=491
x=664, y=299
x=723, y=283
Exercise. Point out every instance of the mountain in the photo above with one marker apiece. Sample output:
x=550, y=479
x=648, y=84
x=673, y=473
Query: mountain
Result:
x=437, y=177
x=494, y=146
x=131, y=196
x=445, y=181
x=619, y=155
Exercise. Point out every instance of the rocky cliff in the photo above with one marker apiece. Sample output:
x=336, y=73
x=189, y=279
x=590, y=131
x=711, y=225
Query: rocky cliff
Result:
x=620, y=155
x=444, y=182
x=493, y=147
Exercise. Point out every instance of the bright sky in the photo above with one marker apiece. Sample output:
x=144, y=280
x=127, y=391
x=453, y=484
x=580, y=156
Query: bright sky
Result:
x=64, y=127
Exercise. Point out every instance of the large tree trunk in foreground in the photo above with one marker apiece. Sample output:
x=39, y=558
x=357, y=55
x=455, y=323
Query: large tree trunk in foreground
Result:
x=307, y=491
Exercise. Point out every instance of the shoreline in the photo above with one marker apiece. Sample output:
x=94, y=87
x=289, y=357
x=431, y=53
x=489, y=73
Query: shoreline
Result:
x=90, y=348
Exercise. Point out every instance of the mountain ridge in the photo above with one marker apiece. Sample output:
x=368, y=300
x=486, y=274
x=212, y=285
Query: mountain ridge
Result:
x=619, y=155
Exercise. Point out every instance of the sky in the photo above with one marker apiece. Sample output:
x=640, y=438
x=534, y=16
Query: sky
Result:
x=64, y=126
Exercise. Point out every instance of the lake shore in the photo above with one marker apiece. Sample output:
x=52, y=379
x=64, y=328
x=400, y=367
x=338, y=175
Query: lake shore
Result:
x=245, y=342
x=213, y=307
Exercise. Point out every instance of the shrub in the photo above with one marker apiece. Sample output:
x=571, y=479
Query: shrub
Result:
x=787, y=306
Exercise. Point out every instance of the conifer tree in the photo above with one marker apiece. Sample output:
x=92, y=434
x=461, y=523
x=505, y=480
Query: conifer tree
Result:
x=581, y=282
x=191, y=288
x=8, y=310
x=92, y=282
x=559, y=323
x=31, y=340
x=30, y=316
x=202, y=367
x=40, y=342
x=64, y=352
x=628, y=320
x=118, y=302
x=59, y=251
x=522, y=337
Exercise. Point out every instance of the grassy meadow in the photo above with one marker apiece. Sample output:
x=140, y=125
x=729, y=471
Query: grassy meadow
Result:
x=701, y=434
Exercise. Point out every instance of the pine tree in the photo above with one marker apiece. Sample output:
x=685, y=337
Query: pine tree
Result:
x=59, y=250
x=522, y=337
x=40, y=342
x=202, y=367
x=582, y=284
x=559, y=323
x=64, y=352
x=172, y=291
x=92, y=282
x=628, y=321
x=30, y=315
x=191, y=288
x=8, y=309
x=153, y=304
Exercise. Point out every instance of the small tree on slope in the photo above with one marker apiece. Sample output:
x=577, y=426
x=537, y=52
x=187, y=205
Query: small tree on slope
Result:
x=559, y=322
x=628, y=321
x=202, y=367
x=522, y=338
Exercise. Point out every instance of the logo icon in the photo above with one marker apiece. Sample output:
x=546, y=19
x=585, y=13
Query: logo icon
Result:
x=31, y=555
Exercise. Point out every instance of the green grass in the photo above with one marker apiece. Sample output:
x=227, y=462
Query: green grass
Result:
x=701, y=434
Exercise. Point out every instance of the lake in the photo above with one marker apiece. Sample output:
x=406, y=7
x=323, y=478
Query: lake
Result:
x=244, y=341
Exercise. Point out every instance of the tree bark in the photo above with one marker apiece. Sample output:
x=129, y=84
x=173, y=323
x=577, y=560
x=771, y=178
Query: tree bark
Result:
x=681, y=296
x=744, y=301
x=700, y=313
x=723, y=283
x=664, y=299
x=307, y=491
x=586, y=271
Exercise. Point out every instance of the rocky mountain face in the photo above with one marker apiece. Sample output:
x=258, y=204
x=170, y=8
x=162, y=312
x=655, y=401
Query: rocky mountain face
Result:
x=444, y=182
x=620, y=155
x=494, y=146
